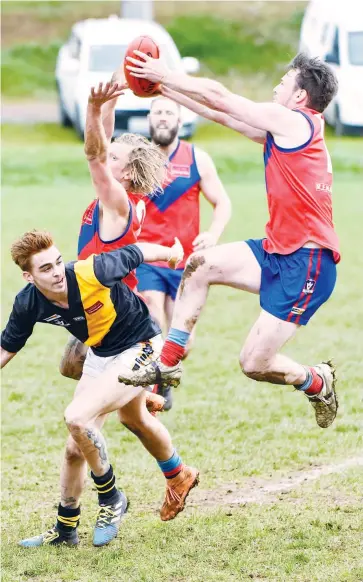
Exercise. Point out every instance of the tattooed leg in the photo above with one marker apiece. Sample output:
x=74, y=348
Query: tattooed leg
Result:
x=74, y=471
x=92, y=444
x=71, y=365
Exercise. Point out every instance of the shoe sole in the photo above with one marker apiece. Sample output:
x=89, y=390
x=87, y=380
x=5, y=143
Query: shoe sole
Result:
x=151, y=377
x=62, y=543
x=334, y=381
x=194, y=484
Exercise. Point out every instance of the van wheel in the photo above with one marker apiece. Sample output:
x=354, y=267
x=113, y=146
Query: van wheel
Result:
x=340, y=128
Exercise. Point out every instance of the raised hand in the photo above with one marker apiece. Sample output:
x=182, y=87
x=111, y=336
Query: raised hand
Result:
x=105, y=92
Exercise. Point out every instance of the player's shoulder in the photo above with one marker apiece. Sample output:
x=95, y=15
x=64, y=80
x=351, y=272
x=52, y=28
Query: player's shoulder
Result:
x=203, y=160
x=26, y=299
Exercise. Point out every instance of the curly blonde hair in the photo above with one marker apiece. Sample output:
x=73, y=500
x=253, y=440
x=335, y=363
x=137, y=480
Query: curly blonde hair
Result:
x=147, y=164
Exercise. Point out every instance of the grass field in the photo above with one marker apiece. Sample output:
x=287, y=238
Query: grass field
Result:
x=32, y=33
x=258, y=513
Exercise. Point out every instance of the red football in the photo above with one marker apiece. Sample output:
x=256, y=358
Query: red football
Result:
x=141, y=87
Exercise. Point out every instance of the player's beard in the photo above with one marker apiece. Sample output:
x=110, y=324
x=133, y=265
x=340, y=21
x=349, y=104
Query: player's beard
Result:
x=163, y=137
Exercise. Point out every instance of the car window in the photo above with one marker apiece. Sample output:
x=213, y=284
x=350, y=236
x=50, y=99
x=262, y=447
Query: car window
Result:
x=355, y=48
x=107, y=58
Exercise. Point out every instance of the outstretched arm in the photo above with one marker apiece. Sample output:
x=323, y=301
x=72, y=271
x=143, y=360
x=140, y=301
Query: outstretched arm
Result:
x=152, y=253
x=5, y=357
x=257, y=135
x=110, y=267
x=270, y=117
x=108, y=108
x=110, y=192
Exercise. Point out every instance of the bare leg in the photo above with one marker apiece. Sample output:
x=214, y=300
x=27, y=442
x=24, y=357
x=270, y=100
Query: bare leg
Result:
x=151, y=432
x=74, y=471
x=71, y=365
x=97, y=396
x=169, y=308
x=259, y=358
x=231, y=264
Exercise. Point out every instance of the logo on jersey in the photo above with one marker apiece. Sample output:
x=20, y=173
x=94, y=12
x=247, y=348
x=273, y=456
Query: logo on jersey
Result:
x=56, y=320
x=321, y=187
x=79, y=318
x=52, y=318
x=62, y=323
x=174, y=171
x=179, y=170
x=309, y=286
x=95, y=307
x=297, y=310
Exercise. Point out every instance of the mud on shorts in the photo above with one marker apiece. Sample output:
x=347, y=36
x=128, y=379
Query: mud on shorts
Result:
x=139, y=354
x=294, y=286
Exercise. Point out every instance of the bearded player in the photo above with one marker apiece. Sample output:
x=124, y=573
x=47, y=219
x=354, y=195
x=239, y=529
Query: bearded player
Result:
x=293, y=268
x=176, y=212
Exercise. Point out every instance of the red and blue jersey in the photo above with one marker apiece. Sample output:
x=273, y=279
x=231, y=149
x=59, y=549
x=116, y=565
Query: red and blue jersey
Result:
x=90, y=242
x=175, y=212
x=299, y=192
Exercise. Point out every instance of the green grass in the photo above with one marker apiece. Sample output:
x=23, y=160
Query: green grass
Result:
x=234, y=430
x=238, y=40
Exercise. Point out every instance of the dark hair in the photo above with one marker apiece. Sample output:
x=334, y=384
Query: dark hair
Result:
x=318, y=80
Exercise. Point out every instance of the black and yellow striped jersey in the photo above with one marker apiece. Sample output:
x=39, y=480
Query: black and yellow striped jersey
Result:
x=103, y=312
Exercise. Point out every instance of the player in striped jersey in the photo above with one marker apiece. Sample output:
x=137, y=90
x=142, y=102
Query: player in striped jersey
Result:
x=293, y=268
x=190, y=172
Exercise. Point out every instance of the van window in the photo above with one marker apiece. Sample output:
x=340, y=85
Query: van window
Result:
x=324, y=33
x=355, y=48
x=74, y=46
x=107, y=58
x=333, y=55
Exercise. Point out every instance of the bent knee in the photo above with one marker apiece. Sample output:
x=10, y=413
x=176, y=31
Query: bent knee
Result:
x=197, y=264
x=73, y=420
x=73, y=453
x=252, y=366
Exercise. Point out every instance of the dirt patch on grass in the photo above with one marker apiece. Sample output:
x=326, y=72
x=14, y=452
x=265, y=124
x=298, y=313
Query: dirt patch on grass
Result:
x=261, y=491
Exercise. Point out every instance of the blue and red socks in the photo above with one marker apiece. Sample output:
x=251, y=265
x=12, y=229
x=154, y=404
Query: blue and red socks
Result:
x=174, y=347
x=313, y=383
x=172, y=467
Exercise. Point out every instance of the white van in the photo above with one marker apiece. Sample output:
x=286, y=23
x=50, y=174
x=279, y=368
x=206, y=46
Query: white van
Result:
x=95, y=48
x=333, y=30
